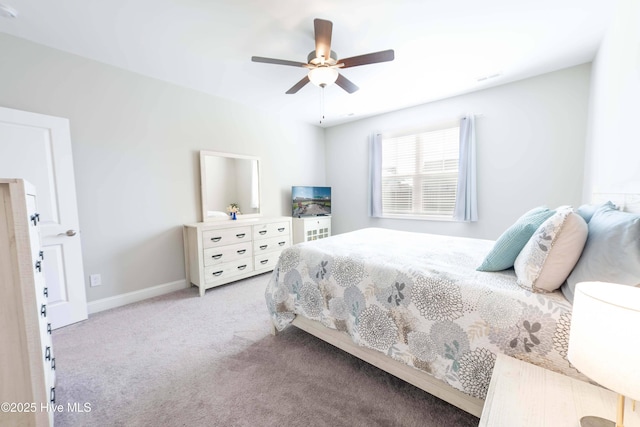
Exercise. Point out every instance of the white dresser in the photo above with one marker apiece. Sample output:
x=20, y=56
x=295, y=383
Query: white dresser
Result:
x=311, y=228
x=27, y=365
x=220, y=252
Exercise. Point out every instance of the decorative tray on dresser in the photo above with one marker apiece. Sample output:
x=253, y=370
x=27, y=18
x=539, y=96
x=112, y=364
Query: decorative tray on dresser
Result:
x=221, y=252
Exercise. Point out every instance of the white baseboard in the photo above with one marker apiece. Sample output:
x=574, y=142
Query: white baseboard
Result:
x=135, y=296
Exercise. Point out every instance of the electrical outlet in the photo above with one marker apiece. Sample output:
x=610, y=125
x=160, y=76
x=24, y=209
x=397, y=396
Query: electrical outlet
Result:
x=95, y=280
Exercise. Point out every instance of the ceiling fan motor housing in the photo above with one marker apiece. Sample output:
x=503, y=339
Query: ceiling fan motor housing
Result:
x=318, y=60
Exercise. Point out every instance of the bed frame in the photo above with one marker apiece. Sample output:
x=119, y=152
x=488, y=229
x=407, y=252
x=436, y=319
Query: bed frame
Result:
x=422, y=380
x=627, y=202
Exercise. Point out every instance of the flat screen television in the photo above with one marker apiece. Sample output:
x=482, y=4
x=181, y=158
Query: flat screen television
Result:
x=310, y=201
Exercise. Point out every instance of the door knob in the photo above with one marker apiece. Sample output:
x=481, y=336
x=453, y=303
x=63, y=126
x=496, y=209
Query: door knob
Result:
x=69, y=233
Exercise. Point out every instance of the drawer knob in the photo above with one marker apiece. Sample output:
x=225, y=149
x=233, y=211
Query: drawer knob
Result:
x=241, y=251
x=52, y=395
x=217, y=273
x=45, y=291
x=35, y=218
x=47, y=353
x=281, y=243
x=43, y=310
x=242, y=267
x=281, y=229
x=38, y=266
x=49, y=328
x=53, y=363
x=263, y=232
x=216, y=239
x=240, y=235
x=41, y=255
x=218, y=256
x=264, y=261
x=263, y=247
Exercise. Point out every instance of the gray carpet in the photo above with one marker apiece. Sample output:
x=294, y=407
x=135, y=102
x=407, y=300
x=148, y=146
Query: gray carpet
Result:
x=182, y=360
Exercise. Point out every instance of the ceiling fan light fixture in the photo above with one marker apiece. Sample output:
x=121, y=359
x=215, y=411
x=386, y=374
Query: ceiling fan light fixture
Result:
x=323, y=76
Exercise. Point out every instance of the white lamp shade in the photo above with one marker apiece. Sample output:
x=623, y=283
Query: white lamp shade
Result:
x=603, y=342
x=323, y=76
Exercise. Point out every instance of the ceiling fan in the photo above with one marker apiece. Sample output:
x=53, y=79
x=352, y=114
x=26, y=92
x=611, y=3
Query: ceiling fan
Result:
x=323, y=63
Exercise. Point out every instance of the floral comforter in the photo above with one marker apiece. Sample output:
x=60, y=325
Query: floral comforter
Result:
x=419, y=299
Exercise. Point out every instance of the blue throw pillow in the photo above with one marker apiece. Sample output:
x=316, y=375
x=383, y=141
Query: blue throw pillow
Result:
x=587, y=211
x=506, y=249
x=612, y=251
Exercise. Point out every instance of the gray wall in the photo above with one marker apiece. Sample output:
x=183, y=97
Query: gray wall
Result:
x=135, y=143
x=613, y=147
x=530, y=151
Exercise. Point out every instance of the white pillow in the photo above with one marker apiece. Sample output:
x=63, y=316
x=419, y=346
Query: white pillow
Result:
x=554, y=249
x=216, y=214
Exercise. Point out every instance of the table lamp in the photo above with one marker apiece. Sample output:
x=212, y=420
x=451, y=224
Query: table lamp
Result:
x=604, y=343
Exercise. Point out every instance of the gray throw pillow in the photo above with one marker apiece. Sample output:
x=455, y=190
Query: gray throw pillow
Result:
x=612, y=251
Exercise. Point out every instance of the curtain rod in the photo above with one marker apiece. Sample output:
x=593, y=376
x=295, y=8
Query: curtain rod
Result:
x=422, y=128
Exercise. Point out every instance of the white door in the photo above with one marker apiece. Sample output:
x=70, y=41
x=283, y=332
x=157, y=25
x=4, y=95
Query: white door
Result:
x=37, y=148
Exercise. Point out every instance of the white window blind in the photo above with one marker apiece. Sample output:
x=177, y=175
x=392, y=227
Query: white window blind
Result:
x=420, y=173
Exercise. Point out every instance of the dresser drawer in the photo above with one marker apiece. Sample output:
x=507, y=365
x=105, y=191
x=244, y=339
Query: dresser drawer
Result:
x=217, y=253
x=42, y=291
x=49, y=364
x=222, y=254
x=220, y=272
x=266, y=261
x=265, y=231
x=226, y=236
x=271, y=244
x=43, y=322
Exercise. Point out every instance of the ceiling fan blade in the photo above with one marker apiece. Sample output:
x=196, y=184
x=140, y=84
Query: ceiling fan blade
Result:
x=296, y=87
x=346, y=84
x=369, y=58
x=323, y=29
x=278, y=61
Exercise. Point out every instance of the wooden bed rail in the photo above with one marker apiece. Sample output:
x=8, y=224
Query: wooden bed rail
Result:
x=420, y=379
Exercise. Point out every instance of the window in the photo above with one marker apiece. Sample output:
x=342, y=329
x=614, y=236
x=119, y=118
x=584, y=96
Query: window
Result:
x=420, y=173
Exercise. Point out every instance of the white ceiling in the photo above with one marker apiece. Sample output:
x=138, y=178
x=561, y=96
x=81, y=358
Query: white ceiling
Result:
x=441, y=47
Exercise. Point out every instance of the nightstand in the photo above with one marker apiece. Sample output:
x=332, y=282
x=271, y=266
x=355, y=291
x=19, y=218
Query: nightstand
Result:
x=521, y=394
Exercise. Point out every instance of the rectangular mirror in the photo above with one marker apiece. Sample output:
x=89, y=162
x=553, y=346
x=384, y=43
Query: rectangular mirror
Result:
x=229, y=178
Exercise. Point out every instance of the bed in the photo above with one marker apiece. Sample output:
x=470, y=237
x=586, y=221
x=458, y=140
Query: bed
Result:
x=415, y=305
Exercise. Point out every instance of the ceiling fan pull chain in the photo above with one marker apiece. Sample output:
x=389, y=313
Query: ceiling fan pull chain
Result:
x=321, y=104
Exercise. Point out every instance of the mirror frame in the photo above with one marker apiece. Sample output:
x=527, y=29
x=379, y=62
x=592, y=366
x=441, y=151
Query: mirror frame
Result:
x=203, y=180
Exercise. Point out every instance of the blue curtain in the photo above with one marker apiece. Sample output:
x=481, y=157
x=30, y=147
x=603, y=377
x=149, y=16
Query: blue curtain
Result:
x=375, y=173
x=466, y=195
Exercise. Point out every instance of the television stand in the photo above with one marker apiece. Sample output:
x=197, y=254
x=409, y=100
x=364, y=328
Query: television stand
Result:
x=310, y=228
